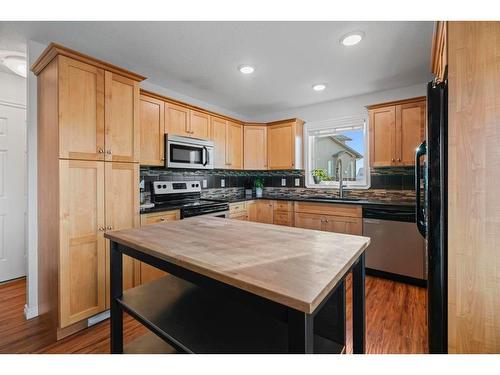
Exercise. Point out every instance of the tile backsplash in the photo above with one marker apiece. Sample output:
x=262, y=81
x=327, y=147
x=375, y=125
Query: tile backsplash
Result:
x=221, y=183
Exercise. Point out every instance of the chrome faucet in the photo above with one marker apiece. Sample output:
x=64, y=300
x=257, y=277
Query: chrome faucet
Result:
x=340, y=176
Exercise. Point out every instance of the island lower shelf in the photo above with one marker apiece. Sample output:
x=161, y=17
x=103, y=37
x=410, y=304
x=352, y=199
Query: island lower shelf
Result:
x=191, y=319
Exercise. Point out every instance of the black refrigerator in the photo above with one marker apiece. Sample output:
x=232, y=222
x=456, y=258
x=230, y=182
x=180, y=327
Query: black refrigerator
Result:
x=431, y=212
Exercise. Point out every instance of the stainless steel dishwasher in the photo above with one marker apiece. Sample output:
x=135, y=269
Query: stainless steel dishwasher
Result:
x=397, y=250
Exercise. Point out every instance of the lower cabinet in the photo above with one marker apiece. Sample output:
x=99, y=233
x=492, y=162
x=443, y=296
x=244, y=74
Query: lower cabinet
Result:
x=147, y=273
x=339, y=218
x=94, y=196
x=265, y=212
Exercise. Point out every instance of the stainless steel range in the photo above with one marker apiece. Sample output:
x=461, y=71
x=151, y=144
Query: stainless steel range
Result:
x=186, y=196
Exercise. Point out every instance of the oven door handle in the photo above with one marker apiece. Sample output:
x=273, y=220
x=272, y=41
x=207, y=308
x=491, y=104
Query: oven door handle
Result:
x=205, y=156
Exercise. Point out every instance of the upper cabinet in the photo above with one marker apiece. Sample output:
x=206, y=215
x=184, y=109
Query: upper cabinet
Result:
x=255, y=147
x=218, y=136
x=177, y=120
x=234, y=145
x=98, y=109
x=199, y=124
x=81, y=110
x=152, y=125
x=284, y=144
x=121, y=108
x=396, y=129
x=186, y=122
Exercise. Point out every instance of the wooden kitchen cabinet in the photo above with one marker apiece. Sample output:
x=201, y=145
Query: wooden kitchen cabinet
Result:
x=396, y=129
x=218, y=136
x=308, y=221
x=199, y=124
x=81, y=110
x=82, y=253
x=265, y=212
x=283, y=213
x=343, y=224
x=152, y=130
x=177, y=120
x=149, y=273
x=121, y=109
x=90, y=107
x=255, y=147
x=251, y=210
x=285, y=144
x=234, y=145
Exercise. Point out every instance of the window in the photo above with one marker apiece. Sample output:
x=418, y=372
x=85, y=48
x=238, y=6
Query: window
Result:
x=335, y=146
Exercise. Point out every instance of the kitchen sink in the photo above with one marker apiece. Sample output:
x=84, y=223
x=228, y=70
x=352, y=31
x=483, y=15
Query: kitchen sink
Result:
x=333, y=198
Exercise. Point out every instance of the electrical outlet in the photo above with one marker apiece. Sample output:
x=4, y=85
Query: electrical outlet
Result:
x=222, y=183
x=204, y=184
x=297, y=182
x=283, y=182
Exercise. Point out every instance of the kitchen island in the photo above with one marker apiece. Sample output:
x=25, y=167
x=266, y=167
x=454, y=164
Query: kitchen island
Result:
x=240, y=287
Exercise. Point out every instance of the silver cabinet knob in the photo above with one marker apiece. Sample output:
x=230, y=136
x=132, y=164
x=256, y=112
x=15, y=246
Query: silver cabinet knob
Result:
x=162, y=219
x=102, y=229
x=109, y=227
x=108, y=152
x=100, y=150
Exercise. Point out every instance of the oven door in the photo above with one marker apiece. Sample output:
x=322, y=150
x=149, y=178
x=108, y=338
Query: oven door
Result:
x=188, y=155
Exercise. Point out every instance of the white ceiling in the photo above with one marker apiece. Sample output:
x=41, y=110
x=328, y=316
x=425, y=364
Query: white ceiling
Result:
x=200, y=59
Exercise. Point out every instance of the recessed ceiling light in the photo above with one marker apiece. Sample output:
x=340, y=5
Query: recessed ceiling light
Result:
x=15, y=61
x=319, y=87
x=352, y=39
x=246, y=69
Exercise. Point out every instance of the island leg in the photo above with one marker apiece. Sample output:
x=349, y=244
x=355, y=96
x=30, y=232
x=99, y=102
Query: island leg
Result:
x=300, y=332
x=358, y=306
x=116, y=290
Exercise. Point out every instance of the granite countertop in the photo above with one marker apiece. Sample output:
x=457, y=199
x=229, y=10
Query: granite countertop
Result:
x=405, y=205
x=355, y=201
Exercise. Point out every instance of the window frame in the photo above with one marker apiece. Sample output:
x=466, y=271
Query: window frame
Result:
x=343, y=122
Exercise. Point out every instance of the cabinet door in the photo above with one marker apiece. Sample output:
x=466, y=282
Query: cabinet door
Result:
x=255, y=147
x=122, y=209
x=82, y=254
x=265, y=211
x=176, y=120
x=81, y=110
x=342, y=224
x=410, y=125
x=149, y=273
x=281, y=146
x=152, y=125
x=383, y=136
x=252, y=211
x=218, y=136
x=199, y=124
x=234, y=145
x=122, y=118
x=308, y=221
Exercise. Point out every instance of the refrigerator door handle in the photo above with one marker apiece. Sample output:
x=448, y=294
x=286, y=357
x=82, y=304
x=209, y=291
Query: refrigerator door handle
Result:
x=422, y=227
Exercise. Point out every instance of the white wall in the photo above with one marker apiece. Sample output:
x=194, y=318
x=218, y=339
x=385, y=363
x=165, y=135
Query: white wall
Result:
x=353, y=106
x=31, y=309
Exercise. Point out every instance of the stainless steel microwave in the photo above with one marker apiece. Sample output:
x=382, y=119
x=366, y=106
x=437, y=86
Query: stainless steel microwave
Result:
x=185, y=152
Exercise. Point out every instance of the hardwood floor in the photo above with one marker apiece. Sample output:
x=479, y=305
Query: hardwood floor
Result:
x=396, y=322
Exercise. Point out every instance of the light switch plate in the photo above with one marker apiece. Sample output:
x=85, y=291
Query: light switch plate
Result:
x=222, y=183
x=204, y=184
x=283, y=182
x=297, y=182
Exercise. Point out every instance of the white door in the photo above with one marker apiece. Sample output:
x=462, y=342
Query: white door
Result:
x=12, y=192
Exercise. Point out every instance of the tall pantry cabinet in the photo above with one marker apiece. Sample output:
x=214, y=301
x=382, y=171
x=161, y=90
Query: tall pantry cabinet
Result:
x=88, y=166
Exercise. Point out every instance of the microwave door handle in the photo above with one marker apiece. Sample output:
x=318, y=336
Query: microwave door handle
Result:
x=421, y=225
x=205, y=156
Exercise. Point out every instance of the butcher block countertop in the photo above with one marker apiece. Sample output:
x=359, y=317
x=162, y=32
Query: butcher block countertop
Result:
x=292, y=266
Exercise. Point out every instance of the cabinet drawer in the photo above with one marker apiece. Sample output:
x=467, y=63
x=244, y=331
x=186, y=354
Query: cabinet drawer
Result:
x=328, y=209
x=237, y=207
x=283, y=206
x=283, y=218
x=160, y=217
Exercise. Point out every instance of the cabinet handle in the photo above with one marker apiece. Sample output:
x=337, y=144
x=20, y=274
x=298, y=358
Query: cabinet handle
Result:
x=102, y=229
x=399, y=159
x=108, y=152
x=100, y=150
x=162, y=219
x=109, y=227
x=393, y=159
x=162, y=159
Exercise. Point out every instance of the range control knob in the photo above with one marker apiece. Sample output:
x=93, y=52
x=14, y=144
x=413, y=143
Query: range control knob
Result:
x=164, y=186
x=192, y=185
x=197, y=185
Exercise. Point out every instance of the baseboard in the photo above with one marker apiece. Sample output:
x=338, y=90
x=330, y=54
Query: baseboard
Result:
x=30, y=312
x=396, y=277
